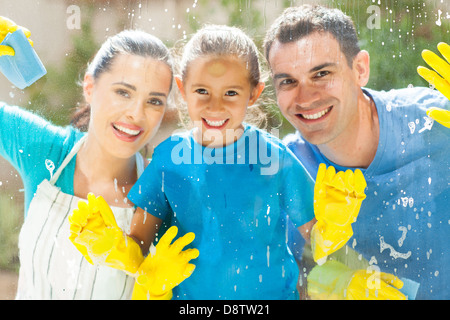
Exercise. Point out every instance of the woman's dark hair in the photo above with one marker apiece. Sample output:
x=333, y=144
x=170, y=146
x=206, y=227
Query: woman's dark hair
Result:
x=133, y=42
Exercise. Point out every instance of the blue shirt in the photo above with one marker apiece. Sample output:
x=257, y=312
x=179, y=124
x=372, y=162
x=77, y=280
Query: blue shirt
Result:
x=33, y=146
x=404, y=223
x=236, y=200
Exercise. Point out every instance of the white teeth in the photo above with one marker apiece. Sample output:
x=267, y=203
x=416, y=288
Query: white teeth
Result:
x=316, y=115
x=215, y=123
x=126, y=130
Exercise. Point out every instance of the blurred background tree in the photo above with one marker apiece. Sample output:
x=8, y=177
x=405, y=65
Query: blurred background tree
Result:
x=396, y=37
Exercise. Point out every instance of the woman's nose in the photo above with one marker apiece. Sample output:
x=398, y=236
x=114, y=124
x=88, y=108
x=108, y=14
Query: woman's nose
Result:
x=135, y=109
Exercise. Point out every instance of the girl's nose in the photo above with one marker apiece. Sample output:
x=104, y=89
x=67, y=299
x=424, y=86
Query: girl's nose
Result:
x=215, y=104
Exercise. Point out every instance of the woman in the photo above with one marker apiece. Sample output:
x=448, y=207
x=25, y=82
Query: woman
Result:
x=126, y=88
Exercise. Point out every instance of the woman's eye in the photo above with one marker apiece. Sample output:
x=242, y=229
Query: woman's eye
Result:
x=156, y=102
x=123, y=93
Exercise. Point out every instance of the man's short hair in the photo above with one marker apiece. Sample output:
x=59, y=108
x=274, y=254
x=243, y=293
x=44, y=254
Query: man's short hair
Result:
x=298, y=22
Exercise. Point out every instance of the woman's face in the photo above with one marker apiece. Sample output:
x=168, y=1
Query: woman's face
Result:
x=127, y=103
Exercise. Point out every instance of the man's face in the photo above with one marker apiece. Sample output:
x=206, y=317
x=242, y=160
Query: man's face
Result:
x=317, y=91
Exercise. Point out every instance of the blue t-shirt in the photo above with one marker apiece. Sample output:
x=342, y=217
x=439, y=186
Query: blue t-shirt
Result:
x=236, y=200
x=404, y=223
x=33, y=146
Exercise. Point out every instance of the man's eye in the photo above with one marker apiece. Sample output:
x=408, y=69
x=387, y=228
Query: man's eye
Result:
x=286, y=82
x=322, y=74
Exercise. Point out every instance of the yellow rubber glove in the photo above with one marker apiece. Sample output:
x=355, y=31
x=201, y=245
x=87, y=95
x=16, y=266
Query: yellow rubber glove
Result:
x=439, y=78
x=335, y=281
x=95, y=233
x=8, y=26
x=337, y=200
x=166, y=268
x=440, y=115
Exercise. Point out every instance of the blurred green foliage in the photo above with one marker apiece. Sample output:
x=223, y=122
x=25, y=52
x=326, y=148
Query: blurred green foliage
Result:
x=405, y=28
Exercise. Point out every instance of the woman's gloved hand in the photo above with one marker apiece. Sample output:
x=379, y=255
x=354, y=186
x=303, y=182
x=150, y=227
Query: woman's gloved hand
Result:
x=95, y=233
x=8, y=26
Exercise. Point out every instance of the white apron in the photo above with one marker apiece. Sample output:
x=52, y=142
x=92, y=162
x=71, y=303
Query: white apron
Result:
x=50, y=265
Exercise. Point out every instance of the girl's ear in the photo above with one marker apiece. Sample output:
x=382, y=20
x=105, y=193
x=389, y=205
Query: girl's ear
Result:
x=256, y=92
x=180, y=86
x=88, y=85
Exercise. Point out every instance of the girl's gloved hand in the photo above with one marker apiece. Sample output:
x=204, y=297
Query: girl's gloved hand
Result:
x=166, y=268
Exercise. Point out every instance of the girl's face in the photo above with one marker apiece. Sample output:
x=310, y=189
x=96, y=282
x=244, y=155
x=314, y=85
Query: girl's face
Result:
x=128, y=103
x=217, y=91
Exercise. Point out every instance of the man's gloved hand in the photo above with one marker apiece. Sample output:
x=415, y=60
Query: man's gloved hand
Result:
x=337, y=200
x=439, y=78
x=440, y=115
x=95, y=233
x=335, y=281
x=8, y=26
x=166, y=268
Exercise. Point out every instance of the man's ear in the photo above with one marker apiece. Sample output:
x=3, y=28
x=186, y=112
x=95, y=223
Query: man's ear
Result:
x=180, y=86
x=256, y=92
x=88, y=85
x=361, y=67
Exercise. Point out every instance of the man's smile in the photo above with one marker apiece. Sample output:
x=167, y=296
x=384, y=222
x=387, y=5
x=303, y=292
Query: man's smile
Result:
x=315, y=115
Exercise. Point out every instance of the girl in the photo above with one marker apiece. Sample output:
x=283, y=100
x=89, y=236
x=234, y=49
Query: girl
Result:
x=228, y=182
x=126, y=88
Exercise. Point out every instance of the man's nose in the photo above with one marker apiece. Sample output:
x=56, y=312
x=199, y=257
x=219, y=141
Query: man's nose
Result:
x=306, y=95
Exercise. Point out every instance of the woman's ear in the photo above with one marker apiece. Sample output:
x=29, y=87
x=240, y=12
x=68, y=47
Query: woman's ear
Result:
x=256, y=92
x=88, y=85
x=180, y=86
x=361, y=66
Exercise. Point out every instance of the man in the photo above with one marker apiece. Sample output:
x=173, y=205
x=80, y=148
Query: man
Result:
x=319, y=72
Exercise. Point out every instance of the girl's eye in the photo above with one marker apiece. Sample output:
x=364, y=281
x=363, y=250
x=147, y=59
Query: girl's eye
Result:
x=201, y=91
x=231, y=93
